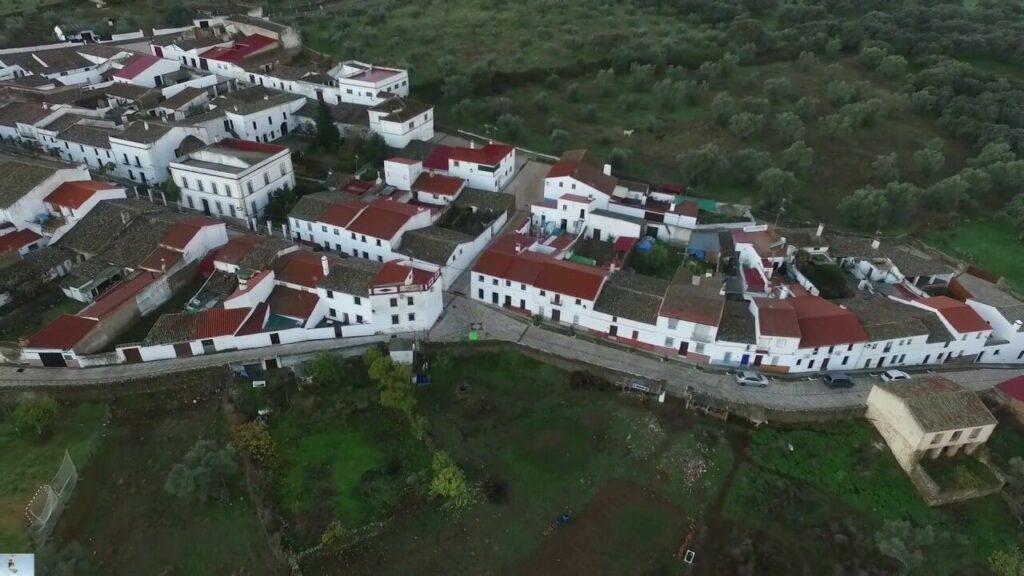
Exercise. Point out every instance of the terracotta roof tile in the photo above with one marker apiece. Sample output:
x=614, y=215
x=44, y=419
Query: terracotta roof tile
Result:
x=75, y=194
x=63, y=333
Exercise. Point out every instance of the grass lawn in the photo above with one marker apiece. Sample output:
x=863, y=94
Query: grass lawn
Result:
x=661, y=261
x=990, y=244
x=31, y=461
x=121, y=512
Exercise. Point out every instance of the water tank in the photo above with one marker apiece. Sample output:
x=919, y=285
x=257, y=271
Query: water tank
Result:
x=645, y=245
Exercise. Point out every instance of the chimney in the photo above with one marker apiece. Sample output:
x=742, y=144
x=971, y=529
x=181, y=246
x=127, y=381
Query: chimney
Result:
x=672, y=207
x=607, y=169
x=519, y=247
x=707, y=274
x=1017, y=325
x=243, y=282
x=875, y=244
x=325, y=265
x=472, y=145
x=695, y=280
x=821, y=229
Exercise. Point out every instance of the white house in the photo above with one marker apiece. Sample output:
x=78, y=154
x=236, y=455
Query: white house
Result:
x=259, y=114
x=27, y=182
x=969, y=330
x=73, y=200
x=145, y=148
x=145, y=70
x=362, y=83
x=490, y=167
x=372, y=231
x=233, y=177
x=401, y=120
x=427, y=187
x=1003, y=313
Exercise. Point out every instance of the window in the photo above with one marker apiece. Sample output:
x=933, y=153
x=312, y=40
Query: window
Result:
x=394, y=319
x=199, y=184
x=508, y=283
x=378, y=242
x=323, y=228
x=394, y=302
x=956, y=435
x=266, y=177
x=937, y=439
x=248, y=185
x=190, y=203
x=578, y=301
x=409, y=300
x=336, y=232
x=974, y=434
x=359, y=319
x=670, y=342
x=412, y=317
x=333, y=312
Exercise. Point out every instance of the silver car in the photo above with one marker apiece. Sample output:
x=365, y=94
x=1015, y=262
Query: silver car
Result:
x=749, y=378
x=894, y=375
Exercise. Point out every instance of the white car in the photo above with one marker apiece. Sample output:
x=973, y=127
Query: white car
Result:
x=748, y=378
x=894, y=375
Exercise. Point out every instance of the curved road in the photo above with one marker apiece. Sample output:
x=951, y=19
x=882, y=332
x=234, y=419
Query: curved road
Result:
x=799, y=395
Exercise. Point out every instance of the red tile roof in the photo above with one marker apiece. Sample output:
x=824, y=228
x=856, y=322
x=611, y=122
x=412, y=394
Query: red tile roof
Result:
x=75, y=194
x=18, y=240
x=237, y=248
x=63, y=333
x=542, y=271
x=573, y=164
x=342, y=215
x=303, y=268
x=250, y=146
x=823, y=323
x=397, y=273
x=777, y=318
x=402, y=160
x=112, y=299
x=241, y=49
x=136, y=65
x=1014, y=388
x=285, y=301
x=753, y=278
x=438, y=184
x=254, y=324
x=180, y=234
x=489, y=154
x=438, y=158
x=250, y=283
x=686, y=208
x=383, y=218
x=765, y=243
x=220, y=322
x=161, y=260
x=960, y=316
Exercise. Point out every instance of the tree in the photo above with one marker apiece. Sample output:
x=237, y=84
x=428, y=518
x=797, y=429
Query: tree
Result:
x=605, y=81
x=394, y=382
x=589, y=112
x=70, y=560
x=35, y=412
x=205, y=473
x=788, y=127
x=723, y=108
x=178, y=15
x=572, y=92
x=778, y=89
x=171, y=190
x=884, y=168
x=1007, y=562
x=509, y=126
x=559, y=138
x=904, y=199
x=807, y=108
x=449, y=482
x=776, y=186
x=865, y=209
x=748, y=163
x=950, y=195
x=457, y=88
x=255, y=439
x=798, y=158
x=326, y=369
x=746, y=125
x=993, y=153
x=702, y=165
x=326, y=136
x=837, y=125
x=619, y=156
x=833, y=47
x=872, y=56
x=806, y=60
x=893, y=67
x=927, y=162
x=1015, y=212
x=903, y=542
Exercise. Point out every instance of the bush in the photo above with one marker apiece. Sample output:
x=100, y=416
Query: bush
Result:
x=35, y=412
x=204, y=474
x=509, y=126
x=255, y=439
x=449, y=482
x=588, y=381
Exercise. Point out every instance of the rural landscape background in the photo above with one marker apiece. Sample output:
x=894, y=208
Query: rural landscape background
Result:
x=896, y=117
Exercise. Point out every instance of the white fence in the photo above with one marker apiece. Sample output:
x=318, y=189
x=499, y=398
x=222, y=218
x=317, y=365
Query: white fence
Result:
x=47, y=505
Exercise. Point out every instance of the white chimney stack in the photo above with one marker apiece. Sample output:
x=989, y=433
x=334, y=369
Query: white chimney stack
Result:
x=519, y=247
x=875, y=244
x=472, y=144
x=821, y=229
x=325, y=265
x=607, y=169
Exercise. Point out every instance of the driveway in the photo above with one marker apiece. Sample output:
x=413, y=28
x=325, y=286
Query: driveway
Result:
x=528, y=184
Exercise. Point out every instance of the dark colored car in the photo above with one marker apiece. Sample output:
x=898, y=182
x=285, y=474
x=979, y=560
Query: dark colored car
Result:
x=837, y=380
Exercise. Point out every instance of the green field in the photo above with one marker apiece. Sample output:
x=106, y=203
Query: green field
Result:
x=992, y=245
x=639, y=480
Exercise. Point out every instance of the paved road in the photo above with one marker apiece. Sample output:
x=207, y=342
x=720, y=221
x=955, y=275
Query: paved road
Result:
x=802, y=395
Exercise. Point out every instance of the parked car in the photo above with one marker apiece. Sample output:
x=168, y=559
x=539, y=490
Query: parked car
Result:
x=837, y=380
x=749, y=378
x=894, y=375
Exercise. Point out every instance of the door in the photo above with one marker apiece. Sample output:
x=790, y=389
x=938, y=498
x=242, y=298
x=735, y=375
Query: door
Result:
x=613, y=330
x=824, y=364
x=508, y=301
x=206, y=206
x=556, y=314
x=284, y=128
x=757, y=360
x=597, y=234
x=745, y=360
x=182, y=350
x=53, y=360
x=881, y=361
x=494, y=297
x=158, y=51
x=565, y=224
x=270, y=363
x=132, y=355
x=684, y=347
x=337, y=330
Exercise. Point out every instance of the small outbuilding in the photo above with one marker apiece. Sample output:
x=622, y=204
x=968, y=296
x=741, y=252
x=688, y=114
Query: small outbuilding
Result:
x=1012, y=393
